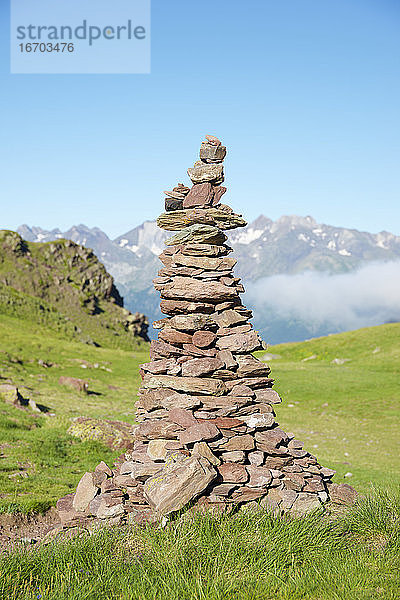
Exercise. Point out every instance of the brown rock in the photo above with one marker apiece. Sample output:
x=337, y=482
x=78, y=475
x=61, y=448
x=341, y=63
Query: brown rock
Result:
x=237, y=456
x=198, y=433
x=305, y=503
x=203, y=339
x=226, y=357
x=256, y=458
x=233, y=473
x=224, y=489
x=239, y=442
x=201, y=194
x=203, y=449
x=259, y=476
x=198, y=233
x=268, y=396
x=226, y=422
x=202, y=172
x=192, y=322
x=156, y=449
x=314, y=485
x=142, y=471
x=194, y=385
x=153, y=399
x=149, y=430
x=258, y=420
x=65, y=510
x=178, y=220
x=288, y=499
x=161, y=366
x=123, y=481
x=85, y=492
x=295, y=444
x=228, y=318
x=240, y=390
x=342, y=493
x=181, y=417
x=160, y=349
x=193, y=350
x=277, y=462
x=253, y=382
x=206, y=263
x=211, y=153
x=98, y=478
x=219, y=191
x=176, y=193
x=193, y=289
x=107, y=508
x=177, y=307
x=213, y=140
x=247, y=494
x=294, y=481
x=234, y=330
x=177, y=400
x=102, y=467
x=251, y=367
x=173, y=336
x=196, y=249
x=273, y=437
x=241, y=342
x=327, y=473
x=182, y=479
x=224, y=402
x=200, y=366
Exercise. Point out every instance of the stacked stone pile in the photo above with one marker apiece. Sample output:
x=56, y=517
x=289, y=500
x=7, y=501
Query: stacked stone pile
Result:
x=207, y=432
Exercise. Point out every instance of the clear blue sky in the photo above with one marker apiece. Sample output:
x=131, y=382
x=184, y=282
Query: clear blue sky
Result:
x=304, y=93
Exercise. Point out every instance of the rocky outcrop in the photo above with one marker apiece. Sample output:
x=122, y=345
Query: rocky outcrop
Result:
x=207, y=435
x=117, y=435
x=63, y=286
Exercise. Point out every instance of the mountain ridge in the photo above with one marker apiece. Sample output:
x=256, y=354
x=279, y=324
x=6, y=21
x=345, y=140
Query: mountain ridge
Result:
x=290, y=245
x=64, y=286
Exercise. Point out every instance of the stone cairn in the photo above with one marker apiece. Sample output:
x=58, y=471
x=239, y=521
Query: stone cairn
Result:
x=207, y=436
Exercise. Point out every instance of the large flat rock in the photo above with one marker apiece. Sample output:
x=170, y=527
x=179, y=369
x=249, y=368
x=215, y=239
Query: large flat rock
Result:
x=182, y=479
x=186, y=288
x=194, y=385
x=203, y=234
x=179, y=219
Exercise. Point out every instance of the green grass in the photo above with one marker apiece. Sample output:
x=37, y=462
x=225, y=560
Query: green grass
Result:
x=39, y=461
x=250, y=556
x=347, y=415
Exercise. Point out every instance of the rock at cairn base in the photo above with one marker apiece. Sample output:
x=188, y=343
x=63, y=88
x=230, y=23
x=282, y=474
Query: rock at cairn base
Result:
x=207, y=435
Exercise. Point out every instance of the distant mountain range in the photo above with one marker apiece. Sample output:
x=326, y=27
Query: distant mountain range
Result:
x=288, y=247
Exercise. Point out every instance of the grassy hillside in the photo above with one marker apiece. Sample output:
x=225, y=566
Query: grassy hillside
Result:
x=39, y=461
x=347, y=414
x=63, y=287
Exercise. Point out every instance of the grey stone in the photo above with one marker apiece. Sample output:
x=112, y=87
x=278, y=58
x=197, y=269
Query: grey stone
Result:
x=85, y=492
x=182, y=479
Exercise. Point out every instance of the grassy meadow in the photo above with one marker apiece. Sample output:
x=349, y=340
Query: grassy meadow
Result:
x=346, y=412
x=39, y=461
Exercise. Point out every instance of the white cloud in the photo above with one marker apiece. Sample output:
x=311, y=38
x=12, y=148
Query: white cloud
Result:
x=369, y=296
